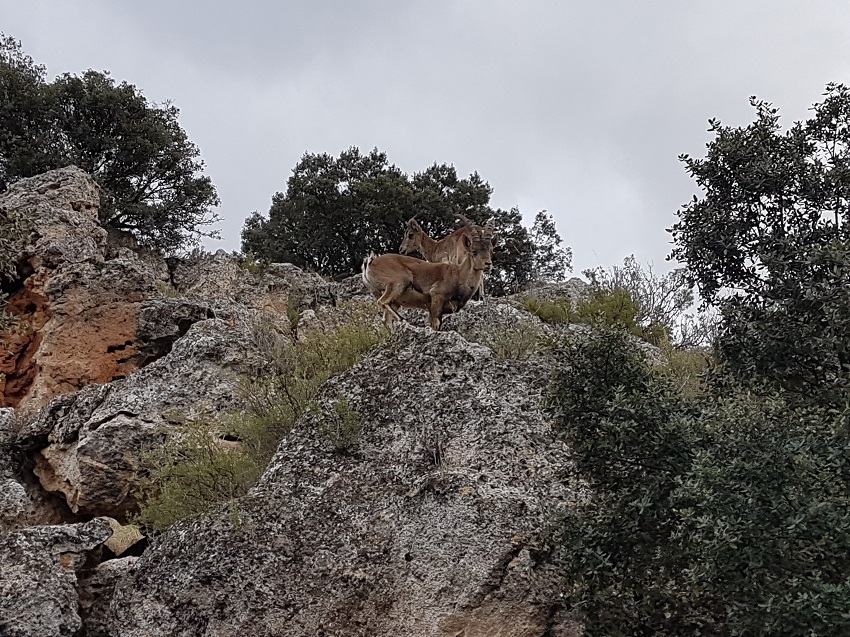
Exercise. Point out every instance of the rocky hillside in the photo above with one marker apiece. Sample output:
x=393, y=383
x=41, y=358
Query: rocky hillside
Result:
x=417, y=510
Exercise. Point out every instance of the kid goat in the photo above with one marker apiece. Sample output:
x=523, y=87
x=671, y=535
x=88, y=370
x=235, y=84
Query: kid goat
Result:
x=440, y=288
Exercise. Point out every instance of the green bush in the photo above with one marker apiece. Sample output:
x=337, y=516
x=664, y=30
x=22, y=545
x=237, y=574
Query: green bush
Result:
x=190, y=472
x=553, y=311
x=341, y=425
x=600, y=307
x=721, y=513
x=195, y=469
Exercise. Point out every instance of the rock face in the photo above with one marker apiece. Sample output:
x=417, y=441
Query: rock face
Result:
x=77, y=310
x=87, y=441
x=38, y=577
x=91, y=313
x=408, y=503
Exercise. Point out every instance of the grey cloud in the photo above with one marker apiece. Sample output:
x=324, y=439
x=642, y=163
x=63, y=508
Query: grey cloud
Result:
x=579, y=108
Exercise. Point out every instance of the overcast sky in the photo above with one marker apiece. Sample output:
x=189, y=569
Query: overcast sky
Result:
x=579, y=108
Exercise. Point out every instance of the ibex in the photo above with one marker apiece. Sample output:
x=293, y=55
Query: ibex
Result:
x=440, y=288
x=449, y=249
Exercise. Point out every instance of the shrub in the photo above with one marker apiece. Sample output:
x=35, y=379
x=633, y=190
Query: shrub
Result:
x=341, y=425
x=657, y=300
x=718, y=514
x=553, y=311
x=189, y=472
x=600, y=307
x=195, y=469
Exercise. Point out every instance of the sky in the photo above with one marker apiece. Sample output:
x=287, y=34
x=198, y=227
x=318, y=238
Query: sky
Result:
x=578, y=108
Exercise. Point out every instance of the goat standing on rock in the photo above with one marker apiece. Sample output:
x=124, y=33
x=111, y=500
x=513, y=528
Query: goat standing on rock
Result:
x=440, y=288
x=449, y=249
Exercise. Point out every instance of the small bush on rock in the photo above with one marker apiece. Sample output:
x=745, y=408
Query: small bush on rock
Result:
x=195, y=468
x=203, y=464
x=600, y=307
x=341, y=425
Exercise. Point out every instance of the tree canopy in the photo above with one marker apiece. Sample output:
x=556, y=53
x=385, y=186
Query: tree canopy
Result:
x=768, y=243
x=335, y=210
x=723, y=510
x=150, y=173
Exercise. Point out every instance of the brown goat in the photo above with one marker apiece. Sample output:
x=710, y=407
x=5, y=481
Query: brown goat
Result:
x=449, y=249
x=440, y=288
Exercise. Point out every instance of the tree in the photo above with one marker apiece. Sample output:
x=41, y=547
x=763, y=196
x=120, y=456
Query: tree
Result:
x=768, y=244
x=150, y=173
x=551, y=261
x=336, y=210
x=333, y=213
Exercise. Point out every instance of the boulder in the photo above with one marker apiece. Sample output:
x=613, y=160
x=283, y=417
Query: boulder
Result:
x=76, y=309
x=410, y=502
x=87, y=443
x=96, y=588
x=38, y=577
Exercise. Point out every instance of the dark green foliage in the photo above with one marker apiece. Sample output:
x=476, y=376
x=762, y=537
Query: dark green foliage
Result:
x=712, y=515
x=551, y=261
x=767, y=243
x=721, y=508
x=149, y=171
x=513, y=259
x=336, y=210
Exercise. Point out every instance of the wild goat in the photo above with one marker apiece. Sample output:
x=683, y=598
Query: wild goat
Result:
x=449, y=249
x=440, y=288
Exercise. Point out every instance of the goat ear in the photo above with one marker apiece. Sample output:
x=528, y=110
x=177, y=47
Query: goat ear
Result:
x=467, y=241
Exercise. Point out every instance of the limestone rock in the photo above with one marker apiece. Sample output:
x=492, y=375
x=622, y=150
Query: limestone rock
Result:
x=162, y=321
x=89, y=441
x=124, y=536
x=424, y=519
x=38, y=577
x=63, y=204
x=77, y=310
x=220, y=281
x=13, y=500
x=575, y=288
x=95, y=592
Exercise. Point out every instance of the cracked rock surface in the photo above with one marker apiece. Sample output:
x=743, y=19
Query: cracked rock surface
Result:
x=424, y=523
x=38, y=577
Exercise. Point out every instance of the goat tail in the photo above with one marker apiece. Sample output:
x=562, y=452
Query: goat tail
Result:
x=364, y=271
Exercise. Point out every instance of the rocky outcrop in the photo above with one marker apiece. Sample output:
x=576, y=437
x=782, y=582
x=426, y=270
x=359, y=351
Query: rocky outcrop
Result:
x=410, y=502
x=76, y=310
x=87, y=443
x=39, y=567
x=412, y=499
x=223, y=282
x=96, y=588
x=92, y=311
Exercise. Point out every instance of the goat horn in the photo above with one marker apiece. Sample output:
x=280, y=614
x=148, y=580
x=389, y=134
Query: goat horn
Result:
x=463, y=218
